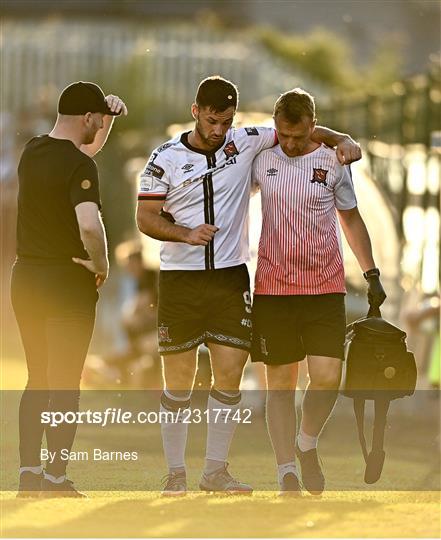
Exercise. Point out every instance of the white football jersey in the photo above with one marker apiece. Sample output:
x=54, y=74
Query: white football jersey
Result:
x=206, y=187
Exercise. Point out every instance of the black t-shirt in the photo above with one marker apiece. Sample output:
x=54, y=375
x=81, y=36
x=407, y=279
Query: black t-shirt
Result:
x=54, y=176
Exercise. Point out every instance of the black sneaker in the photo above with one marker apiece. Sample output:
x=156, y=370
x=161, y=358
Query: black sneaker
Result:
x=30, y=485
x=175, y=484
x=64, y=489
x=290, y=486
x=312, y=475
x=222, y=481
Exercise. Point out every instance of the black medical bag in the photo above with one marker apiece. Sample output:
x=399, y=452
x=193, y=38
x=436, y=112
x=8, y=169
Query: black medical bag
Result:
x=380, y=368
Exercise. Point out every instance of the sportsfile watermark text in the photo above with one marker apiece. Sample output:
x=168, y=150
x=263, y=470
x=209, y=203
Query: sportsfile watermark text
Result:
x=112, y=416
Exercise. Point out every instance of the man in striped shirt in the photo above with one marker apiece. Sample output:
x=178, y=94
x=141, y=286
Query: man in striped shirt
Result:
x=194, y=197
x=299, y=292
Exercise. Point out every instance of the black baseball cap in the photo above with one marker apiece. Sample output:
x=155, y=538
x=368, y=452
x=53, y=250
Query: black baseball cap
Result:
x=82, y=97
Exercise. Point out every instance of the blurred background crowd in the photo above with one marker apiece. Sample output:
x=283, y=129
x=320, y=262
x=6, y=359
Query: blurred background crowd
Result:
x=374, y=68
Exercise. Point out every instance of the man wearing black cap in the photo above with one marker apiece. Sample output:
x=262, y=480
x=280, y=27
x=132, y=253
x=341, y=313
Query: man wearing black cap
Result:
x=61, y=261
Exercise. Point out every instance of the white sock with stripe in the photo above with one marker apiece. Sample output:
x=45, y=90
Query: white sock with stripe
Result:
x=306, y=442
x=286, y=468
x=36, y=470
x=220, y=430
x=174, y=431
x=55, y=479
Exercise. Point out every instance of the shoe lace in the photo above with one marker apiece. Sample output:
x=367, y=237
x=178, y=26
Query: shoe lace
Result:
x=313, y=463
x=225, y=475
x=171, y=479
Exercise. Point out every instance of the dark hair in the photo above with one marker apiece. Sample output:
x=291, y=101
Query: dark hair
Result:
x=295, y=104
x=217, y=93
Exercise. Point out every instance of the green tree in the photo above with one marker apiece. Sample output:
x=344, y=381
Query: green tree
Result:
x=327, y=58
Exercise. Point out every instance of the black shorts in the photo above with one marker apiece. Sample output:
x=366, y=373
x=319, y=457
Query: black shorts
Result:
x=287, y=328
x=200, y=306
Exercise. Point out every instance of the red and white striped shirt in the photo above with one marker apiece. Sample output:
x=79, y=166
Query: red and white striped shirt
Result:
x=300, y=248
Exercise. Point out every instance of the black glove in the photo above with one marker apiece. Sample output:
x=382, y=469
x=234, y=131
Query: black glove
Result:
x=375, y=293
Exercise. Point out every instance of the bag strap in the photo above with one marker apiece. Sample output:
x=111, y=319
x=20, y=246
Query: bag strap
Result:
x=359, y=404
x=381, y=404
x=375, y=458
x=374, y=311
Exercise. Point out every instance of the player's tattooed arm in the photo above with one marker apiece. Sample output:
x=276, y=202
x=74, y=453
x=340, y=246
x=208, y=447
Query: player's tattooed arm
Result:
x=153, y=224
x=347, y=149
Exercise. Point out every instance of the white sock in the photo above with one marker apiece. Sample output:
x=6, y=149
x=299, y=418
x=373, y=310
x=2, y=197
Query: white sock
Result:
x=286, y=468
x=36, y=470
x=306, y=442
x=174, y=433
x=220, y=429
x=54, y=479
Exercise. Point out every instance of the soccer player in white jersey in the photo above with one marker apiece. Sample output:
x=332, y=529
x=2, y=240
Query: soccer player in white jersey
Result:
x=299, y=292
x=194, y=196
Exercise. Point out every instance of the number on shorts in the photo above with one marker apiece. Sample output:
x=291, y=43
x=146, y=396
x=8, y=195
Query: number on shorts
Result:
x=247, y=300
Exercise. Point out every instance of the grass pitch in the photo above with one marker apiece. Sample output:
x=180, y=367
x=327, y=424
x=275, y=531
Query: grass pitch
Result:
x=348, y=509
x=264, y=515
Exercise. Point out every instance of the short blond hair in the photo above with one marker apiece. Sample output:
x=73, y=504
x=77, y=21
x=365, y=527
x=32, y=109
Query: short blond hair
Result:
x=294, y=105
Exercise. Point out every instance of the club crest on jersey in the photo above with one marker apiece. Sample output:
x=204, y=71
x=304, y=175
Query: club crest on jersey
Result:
x=271, y=172
x=319, y=176
x=230, y=150
x=251, y=131
x=163, y=334
x=263, y=348
x=188, y=167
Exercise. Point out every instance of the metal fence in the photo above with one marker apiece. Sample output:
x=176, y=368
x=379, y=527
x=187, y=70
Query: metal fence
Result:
x=159, y=64
x=408, y=113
